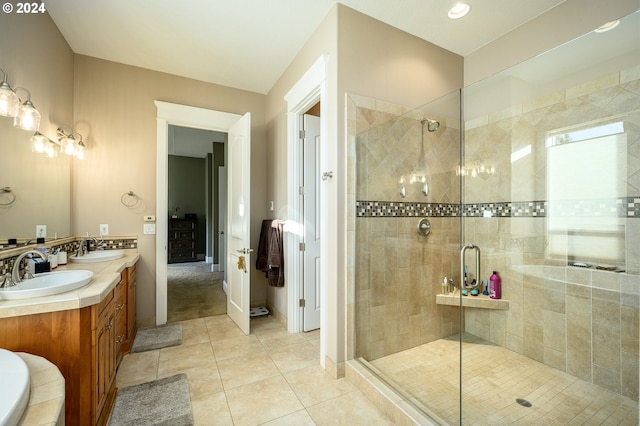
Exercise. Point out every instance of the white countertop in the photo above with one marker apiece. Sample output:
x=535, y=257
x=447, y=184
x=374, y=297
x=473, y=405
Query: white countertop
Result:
x=105, y=277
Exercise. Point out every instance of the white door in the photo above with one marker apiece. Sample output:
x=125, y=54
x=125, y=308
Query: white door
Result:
x=222, y=220
x=238, y=229
x=311, y=205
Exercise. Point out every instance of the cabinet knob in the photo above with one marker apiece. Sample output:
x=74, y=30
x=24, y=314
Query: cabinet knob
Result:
x=108, y=326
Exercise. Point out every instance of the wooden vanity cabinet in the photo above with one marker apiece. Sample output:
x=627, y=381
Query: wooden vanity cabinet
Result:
x=86, y=344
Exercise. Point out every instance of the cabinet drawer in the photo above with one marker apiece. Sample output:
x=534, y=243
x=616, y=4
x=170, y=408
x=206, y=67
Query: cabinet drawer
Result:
x=182, y=224
x=181, y=245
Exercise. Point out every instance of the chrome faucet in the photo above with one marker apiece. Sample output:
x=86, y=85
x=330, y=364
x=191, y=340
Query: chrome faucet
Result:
x=15, y=273
x=82, y=248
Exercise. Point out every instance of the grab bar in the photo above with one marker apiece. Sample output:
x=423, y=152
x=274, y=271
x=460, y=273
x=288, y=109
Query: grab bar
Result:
x=462, y=280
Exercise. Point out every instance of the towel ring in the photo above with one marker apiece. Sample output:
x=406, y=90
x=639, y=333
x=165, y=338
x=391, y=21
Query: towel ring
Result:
x=126, y=197
x=11, y=196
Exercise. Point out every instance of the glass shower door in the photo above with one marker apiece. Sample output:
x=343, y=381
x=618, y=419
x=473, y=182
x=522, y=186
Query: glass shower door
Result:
x=407, y=226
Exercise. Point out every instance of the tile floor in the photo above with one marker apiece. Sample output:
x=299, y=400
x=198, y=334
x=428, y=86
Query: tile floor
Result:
x=493, y=377
x=269, y=377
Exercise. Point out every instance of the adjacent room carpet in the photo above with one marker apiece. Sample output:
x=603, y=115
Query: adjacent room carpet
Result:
x=163, y=336
x=193, y=291
x=161, y=402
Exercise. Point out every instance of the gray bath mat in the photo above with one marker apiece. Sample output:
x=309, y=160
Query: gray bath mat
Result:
x=161, y=402
x=157, y=337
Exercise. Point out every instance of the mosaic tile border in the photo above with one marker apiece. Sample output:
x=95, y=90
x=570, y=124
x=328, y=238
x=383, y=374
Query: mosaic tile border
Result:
x=6, y=264
x=624, y=207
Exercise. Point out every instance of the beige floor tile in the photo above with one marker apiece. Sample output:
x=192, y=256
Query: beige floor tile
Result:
x=236, y=346
x=294, y=357
x=313, y=385
x=203, y=380
x=138, y=368
x=193, y=324
x=179, y=358
x=299, y=418
x=193, y=336
x=262, y=401
x=350, y=409
x=246, y=369
x=212, y=322
x=223, y=330
x=211, y=410
x=279, y=337
x=265, y=325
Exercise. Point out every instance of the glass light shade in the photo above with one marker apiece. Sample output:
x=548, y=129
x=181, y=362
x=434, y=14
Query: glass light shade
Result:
x=39, y=143
x=28, y=117
x=79, y=152
x=9, y=101
x=51, y=150
x=68, y=145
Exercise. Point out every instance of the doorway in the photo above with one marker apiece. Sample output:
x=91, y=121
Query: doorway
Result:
x=190, y=117
x=194, y=283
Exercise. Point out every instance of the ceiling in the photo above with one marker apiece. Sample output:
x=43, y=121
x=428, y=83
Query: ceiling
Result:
x=247, y=44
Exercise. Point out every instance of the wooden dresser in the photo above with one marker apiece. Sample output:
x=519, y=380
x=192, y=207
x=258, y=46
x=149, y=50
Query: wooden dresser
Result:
x=183, y=240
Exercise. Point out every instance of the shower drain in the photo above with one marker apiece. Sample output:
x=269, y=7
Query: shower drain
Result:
x=523, y=402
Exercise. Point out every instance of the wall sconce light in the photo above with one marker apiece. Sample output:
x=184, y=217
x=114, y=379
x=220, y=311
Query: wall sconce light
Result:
x=43, y=145
x=79, y=152
x=28, y=117
x=70, y=145
x=9, y=101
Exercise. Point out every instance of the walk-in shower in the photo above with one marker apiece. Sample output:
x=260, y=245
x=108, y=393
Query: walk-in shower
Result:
x=542, y=174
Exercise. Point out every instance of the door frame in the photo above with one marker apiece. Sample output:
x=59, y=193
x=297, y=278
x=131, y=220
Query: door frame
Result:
x=311, y=88
x=186, y=116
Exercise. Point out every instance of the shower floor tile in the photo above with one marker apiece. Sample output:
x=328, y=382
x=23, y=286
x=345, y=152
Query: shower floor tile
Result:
x=493, y=378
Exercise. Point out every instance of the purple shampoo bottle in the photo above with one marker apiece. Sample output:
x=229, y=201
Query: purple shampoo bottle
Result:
x=494, y=286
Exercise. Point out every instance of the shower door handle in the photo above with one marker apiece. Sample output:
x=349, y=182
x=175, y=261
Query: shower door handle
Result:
x=463, y=283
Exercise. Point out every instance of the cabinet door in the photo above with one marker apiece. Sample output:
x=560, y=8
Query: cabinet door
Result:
x=121, y=316
x=106, y=356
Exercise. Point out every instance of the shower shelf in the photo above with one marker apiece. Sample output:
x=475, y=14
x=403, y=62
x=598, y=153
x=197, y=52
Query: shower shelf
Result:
x=481, y=302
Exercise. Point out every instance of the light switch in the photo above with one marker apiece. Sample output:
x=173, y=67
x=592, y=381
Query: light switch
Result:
x=149, y=228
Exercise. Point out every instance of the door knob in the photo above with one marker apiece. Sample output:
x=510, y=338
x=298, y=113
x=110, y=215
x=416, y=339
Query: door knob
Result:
x=245, y=250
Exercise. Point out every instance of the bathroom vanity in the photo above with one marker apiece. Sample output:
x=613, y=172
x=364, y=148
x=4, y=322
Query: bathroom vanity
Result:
x=83, y=332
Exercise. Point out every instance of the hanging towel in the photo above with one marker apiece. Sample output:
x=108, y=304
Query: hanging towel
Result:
x=270, y=257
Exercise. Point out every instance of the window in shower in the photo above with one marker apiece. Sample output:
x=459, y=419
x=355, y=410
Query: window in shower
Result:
x=586, y=190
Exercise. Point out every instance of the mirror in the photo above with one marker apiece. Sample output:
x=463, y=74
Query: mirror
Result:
x=40, y=188
x=41, y=61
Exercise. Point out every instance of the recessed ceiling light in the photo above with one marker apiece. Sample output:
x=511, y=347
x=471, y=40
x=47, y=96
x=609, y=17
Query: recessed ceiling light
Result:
x=608, y=26
x=459, y=10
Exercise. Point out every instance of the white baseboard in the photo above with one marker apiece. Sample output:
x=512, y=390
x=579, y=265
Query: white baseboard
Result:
x=208, y=259
x=225, y=287
x=215, y=268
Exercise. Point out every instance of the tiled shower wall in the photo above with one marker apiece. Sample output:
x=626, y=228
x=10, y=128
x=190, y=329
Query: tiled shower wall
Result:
x=582, y=321
x=398, y=273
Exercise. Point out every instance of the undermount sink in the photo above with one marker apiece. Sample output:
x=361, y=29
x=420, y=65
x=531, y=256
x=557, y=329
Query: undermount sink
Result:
x=47, y=284
x=14, y=387
x=98, y=256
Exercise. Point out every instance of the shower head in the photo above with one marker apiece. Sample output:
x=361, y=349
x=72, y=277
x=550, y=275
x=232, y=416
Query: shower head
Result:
x=432, y=125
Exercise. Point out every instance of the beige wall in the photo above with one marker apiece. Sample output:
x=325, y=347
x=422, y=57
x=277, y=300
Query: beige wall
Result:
x=367, y=57
x=35, y=56
x=563, y=23
x=114, y=110
x=322, y=41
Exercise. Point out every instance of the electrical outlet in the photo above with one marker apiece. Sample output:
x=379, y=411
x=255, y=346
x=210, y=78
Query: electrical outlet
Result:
x=41, y=231
x=104, y=229
x=149, y=218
